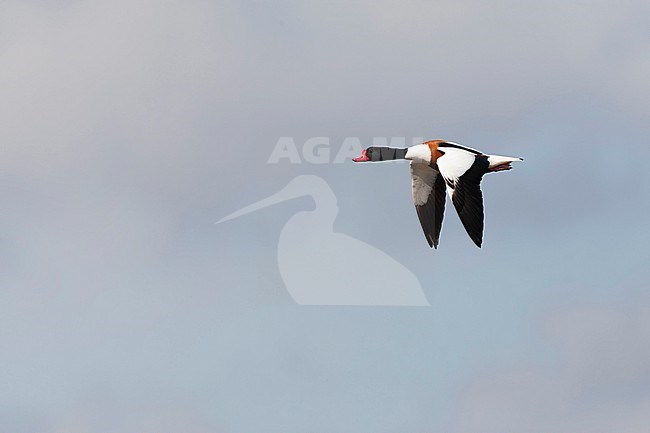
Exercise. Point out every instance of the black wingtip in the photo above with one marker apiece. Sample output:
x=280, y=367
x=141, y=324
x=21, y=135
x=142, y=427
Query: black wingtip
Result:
x=432, y=242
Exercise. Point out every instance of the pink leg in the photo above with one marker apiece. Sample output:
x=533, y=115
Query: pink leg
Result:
x=501, y=167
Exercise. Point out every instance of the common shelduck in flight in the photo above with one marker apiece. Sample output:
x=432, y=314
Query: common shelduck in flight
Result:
x=437, y=165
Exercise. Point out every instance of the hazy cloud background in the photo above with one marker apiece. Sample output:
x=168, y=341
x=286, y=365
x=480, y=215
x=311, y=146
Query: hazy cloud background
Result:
x=128, y=128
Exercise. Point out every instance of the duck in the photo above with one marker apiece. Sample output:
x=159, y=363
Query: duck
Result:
x=440, y=168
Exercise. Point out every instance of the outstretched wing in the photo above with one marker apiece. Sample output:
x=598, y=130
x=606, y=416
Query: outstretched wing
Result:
x=468, y=199
x=429, y=200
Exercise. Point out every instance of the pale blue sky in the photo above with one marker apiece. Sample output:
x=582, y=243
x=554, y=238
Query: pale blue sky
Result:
x=129, y=128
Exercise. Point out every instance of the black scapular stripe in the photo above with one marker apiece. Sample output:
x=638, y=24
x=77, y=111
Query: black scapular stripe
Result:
x=457, y=146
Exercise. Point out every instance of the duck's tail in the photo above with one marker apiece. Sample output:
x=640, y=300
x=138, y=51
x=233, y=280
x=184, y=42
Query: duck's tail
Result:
x=500, y=163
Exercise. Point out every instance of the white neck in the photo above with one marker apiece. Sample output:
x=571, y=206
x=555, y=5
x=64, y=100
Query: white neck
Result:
x=420, y=153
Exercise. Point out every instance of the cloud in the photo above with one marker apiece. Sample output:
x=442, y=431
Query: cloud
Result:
x=129, y=127
x=596, y=379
